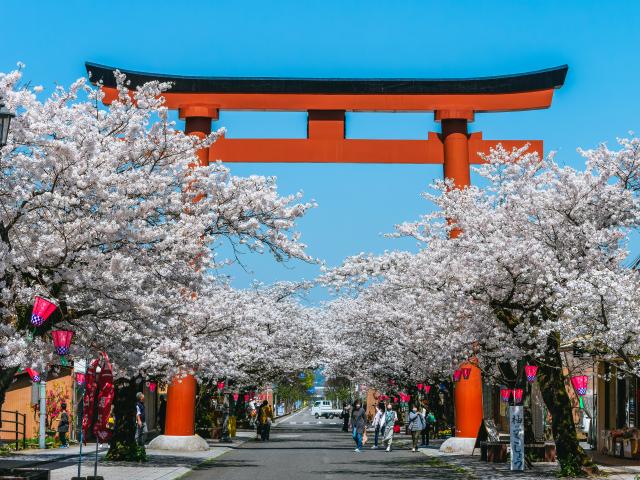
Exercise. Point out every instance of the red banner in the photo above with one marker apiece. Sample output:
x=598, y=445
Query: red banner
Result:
x=102, y=385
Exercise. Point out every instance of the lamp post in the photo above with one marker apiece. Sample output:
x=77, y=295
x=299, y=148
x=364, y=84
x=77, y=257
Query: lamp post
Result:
x=5, y=122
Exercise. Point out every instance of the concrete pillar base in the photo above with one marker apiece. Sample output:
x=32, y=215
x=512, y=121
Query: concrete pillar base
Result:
x=189, y=443
x=458, y=446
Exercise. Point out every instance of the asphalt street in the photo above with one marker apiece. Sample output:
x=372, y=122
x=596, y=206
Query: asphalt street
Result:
x=302, y=447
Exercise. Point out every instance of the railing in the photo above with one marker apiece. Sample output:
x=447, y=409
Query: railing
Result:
x=19, y=422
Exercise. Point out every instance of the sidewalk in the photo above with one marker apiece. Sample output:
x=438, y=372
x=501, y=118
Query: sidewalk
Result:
x=474, y=467
x=162, y=464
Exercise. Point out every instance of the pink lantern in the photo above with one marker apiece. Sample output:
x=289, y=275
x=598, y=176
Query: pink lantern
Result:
x=419, y=386
x=580, y=383
x=220, y=385
x=456, y=375
x=152, y=386
x=42, y=310
x=531, y=371
x=505, y=394
x=246, y=397
x=517, y=395
x=80, y=378
x=62, y=341
x=35, y=377
x=466, y=372
x=427, y=389
x=235, y=396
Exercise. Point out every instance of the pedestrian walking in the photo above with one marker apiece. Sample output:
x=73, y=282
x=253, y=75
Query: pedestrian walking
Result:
x=162, y=413
x=377, y=424
x=63, y=426
x=345, y=416
x=389, y=421
x=417, y=424
x=266, y=417
x=430, y=421
x=358, y=424
x=141, y=421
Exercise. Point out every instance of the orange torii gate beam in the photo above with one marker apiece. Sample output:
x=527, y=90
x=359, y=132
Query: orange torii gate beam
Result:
x=453, y=101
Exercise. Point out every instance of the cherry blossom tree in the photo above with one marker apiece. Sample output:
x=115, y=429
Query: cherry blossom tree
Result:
x=538, y=265
x=103, y=212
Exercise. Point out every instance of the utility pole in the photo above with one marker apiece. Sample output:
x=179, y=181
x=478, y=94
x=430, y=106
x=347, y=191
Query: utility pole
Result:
x=43, y=410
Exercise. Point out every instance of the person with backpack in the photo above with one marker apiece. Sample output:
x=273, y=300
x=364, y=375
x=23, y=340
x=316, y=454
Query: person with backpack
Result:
x=417, y=424
x=430, y=420
x=388, y=423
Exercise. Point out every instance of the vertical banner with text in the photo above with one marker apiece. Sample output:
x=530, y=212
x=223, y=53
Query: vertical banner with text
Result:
x=516, y=424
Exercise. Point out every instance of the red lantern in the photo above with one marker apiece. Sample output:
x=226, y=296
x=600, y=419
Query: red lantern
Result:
x=235, y=396
x=395, y=399
x=580, y=383
x=427, y=389
x=456, y=375
x=246, y=397
x=419, y=386
x=35, y=377
x=466, y=372
x=220, y=385
x=80, y=378
x=62, y=341
x=505, y=394
x=152, y=386
x=531, y=371
x=42, y=310
x=517, y=395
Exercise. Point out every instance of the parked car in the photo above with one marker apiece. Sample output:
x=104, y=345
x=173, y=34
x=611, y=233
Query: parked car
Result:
x=324, y=408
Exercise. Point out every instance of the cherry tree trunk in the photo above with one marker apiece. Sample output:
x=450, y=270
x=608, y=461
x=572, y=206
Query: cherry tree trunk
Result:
x=6, y=378
x=571, y=456
x=123, y=444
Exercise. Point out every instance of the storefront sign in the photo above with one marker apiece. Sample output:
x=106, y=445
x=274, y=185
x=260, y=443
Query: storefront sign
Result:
x=516, y=424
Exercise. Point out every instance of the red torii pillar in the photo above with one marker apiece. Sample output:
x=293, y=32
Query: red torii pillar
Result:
x=453, y=101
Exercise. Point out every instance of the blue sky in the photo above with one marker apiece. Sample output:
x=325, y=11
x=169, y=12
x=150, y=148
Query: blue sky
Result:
x=357, y=203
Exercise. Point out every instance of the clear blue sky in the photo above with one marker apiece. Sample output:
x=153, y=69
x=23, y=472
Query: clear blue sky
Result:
x=599, y=102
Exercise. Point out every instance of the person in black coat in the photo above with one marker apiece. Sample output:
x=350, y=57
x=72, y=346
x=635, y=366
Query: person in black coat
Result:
x=345, y=415
x=63, y=426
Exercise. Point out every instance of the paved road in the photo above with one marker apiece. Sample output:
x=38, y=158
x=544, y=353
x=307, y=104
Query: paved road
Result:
x=303, y=448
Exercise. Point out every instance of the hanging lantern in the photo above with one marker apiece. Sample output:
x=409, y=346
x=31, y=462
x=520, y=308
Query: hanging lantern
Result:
x=246, y=397
x=80, y=378
x=152, y=386
x=505, y=394
x=395, y=399
x=427, y=389
x=580, y=383
x=517, y=395
x=419, y=386
x=531, y=371
x=456, y=375
x=235, y=396
x=35, y=377
x=42, y=310
x=220, y=385
x=466, y=372
x=62, y=343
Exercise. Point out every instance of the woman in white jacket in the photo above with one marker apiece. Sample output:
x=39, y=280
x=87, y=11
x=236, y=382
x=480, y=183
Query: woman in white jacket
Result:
x=377, y=423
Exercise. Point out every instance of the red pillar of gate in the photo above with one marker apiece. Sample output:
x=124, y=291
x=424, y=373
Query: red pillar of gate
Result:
x=181, y=398
x=468, y=392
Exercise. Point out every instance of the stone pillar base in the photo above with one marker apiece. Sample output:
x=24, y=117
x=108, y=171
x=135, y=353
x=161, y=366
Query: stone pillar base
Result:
x=173, y=442
x=458, y=446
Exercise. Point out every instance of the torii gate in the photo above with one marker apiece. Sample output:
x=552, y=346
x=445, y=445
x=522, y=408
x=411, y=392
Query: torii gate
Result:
x=453, y=101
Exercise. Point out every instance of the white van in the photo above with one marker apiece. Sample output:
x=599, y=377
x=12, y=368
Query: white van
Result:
x=324, y=408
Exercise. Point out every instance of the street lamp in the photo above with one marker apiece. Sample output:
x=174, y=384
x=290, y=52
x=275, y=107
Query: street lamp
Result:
x=5, y=121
